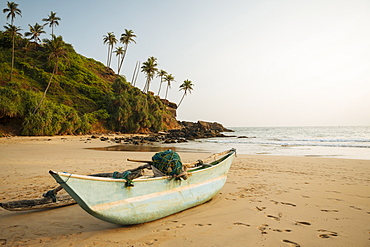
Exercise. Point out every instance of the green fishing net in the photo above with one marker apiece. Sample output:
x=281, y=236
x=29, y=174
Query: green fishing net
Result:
x=168, y=162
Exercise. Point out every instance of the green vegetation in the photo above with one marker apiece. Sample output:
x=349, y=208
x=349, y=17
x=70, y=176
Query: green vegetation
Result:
x=54, y=91
x=46, y=88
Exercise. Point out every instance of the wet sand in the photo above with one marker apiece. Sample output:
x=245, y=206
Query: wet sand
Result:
x=267, y=200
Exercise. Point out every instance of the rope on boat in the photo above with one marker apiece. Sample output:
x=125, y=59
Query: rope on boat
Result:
x=125, y=175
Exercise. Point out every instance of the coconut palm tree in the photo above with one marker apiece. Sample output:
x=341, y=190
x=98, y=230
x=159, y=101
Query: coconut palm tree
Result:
x=168, y=78
x=13, y=31
x=161, y=74
x=149, y=68
x=57, y=51
x=52, y=20
x=126, y=38
x=35, y=32
x=110, y=40
x=13, y=10
x=187, y=86
x=119, y=53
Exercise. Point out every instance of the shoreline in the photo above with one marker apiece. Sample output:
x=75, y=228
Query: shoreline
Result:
x=200, y=146
x=266, y=201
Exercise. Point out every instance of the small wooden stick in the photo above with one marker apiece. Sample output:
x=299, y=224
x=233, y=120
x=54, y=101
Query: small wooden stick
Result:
x=140, y=161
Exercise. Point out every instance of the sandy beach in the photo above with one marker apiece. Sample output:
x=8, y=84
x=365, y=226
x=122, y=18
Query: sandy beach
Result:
x=266, y=201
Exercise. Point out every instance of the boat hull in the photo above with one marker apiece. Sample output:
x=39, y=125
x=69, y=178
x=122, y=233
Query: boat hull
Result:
x=150, y=199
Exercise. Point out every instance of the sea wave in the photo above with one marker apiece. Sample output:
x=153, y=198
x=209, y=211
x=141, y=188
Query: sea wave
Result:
x=326, y=140
x=318, y=143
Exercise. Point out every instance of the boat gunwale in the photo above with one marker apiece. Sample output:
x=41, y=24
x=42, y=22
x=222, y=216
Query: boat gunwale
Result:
x=105, y=179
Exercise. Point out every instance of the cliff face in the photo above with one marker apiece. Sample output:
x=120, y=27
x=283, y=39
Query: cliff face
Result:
x=169, y=120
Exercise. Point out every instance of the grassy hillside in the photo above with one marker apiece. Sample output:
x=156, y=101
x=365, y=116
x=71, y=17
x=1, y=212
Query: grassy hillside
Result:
x=84, y=95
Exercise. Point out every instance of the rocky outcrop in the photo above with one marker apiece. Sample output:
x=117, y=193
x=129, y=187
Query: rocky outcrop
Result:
x=187, y=131
x=200, y=129
x=195, y=130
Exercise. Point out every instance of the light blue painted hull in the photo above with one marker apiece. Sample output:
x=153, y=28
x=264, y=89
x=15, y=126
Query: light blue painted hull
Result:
x=150, y=199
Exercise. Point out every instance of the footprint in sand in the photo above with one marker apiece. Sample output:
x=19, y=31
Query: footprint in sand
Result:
x=261, y=208
x=241, y=224
x=158, y=230
x=273, y=217
x=329, y=210
x=327, y=234
x=78, y=226
x=232, y=199
x=302, y=223
x=336, y=199
x=151, y=242
x=168, y=229
x=291, y=243
x=355, y=207
x=289, y=204
x=180, y=226
x=263, y=228
x=203, y=224
x=279, y=230
x=274, y=202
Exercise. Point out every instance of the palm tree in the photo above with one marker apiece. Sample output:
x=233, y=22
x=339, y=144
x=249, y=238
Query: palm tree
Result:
x=55, y=47
x=52, y=20
x=119, y=53
x=126, y=38
x=168, y=78
x=13, y=31
x=161, y=74
x=149, y=68
x=13, y=11
x=35, y=32
x=187, y=86
x=110, y=40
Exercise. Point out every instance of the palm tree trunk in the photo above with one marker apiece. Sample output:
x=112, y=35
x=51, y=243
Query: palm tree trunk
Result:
x=166, y=91
x=145, y=86
x=123, y=57
x=118, y=63
x=111, y=54
x=133, y=75
x=108, y=56
x=160, y=85
x=13, y=49
x=147, y=90
x=47, y=88
x=181, y=100
x=137, y=72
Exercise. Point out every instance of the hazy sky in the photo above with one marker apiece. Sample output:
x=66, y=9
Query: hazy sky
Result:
x=253, y=63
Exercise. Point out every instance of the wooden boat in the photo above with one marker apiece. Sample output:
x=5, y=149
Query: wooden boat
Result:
x=150, y=198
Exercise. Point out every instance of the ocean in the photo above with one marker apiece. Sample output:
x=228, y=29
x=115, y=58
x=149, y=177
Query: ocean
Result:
x=332, y=142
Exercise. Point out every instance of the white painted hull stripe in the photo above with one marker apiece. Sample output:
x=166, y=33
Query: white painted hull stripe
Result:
x=109, y=205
